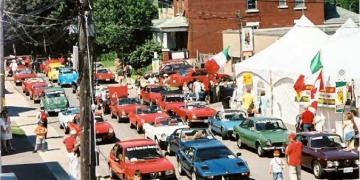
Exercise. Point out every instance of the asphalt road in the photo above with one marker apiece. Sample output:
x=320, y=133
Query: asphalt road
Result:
x=258, y=166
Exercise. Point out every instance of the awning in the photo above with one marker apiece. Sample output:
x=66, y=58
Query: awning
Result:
x=176, y=24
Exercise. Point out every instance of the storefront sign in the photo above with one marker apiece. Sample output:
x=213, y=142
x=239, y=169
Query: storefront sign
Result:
x=247, y=79
x=247, y=39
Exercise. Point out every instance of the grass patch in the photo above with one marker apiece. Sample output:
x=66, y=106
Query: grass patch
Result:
x=17, y=131
x=108, y=64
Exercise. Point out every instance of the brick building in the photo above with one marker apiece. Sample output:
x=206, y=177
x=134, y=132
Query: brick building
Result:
x=207, y=19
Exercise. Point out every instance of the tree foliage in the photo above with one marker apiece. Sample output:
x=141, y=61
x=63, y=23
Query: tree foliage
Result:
x=144, y=54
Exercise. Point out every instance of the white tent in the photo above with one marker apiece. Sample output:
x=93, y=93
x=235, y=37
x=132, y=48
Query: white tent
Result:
x=277, y=67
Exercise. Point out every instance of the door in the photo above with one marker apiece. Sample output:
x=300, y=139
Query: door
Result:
x=187, y=159
x=307, y=151
x=175, y=141
x=117, y=160
x=251, y=134
x=243, y=130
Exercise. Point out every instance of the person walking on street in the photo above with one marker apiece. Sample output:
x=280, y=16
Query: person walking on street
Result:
x=349, y=131
x=72, y=145
x=8, y=133
x=247, y=99
x=3, y=133
x=307, y=118
x=40, y=132
x=294, y=155
x=263, y=104
x=197, y=89
x=277, y=166
x=42, y=118
x=13, y=67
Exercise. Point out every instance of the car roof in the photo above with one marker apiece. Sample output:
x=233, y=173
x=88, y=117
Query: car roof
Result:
x=262, y=118
x=136, y=142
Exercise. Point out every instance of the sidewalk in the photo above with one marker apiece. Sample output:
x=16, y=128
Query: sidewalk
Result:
x=51, y=164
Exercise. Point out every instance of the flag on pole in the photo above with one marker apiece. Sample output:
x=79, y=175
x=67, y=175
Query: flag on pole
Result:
x=299, y=85
x=316, y=64
x=318, y=86
x=218, y=61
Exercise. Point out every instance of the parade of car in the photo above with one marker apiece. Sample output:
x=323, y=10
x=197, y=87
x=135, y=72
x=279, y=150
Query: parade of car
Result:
x=28, y=83
x=22, y=74
x=262, y=133
x=122, y=107
x=145, y=114
x=67, y=76
x=36, y=91
x=54, y=100
x=150, y=93
x=195, y=112
x=169, y=101
x=224, y=121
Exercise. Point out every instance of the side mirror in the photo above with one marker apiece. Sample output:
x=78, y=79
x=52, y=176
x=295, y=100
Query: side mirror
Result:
x=117, y=160
x=238, y=154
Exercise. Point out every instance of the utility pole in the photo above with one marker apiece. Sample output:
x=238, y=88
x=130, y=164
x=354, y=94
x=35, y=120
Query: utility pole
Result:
x=239, y=17
x=2, y=68
x=87, y=143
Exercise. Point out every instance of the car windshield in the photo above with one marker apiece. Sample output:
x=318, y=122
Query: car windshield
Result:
x=270, y=124
x=55, y=94
x=213, y=153
x=102, y=71
x=195, y=134
x=23, y=71
x=326, y=141
x=166, y=122
x=148, y=110
x=72, y=111
x=128, y=101
x=67, y=71
x=99, y=119
x=193, y=106
x=142, y=152
x=236, y=116
x=174, y=99
x=157, y=89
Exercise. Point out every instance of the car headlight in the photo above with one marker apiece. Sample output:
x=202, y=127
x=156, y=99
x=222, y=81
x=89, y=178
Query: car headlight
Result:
x=357, y=162
x=169, y=172
x=111, y=130
x=268, y=142
x=163, y=136
x=332, y=163
x=194, y=117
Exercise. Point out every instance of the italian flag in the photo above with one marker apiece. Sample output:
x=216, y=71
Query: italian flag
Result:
x=217, y=61
x=317, y=73
x=316, y=64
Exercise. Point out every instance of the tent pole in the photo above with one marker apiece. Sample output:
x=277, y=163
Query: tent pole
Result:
x=272, y=94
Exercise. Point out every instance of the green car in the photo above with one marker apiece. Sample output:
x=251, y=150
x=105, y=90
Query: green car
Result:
x=54, y=100
x=264, y=134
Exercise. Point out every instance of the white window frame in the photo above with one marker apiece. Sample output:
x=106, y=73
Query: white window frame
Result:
x=282, y=4
x=299, y=4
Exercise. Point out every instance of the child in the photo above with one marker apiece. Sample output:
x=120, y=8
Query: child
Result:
x=276, y=166
x=40, y=132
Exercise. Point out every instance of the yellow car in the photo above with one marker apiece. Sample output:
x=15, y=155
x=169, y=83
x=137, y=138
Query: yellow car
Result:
x=53, y=73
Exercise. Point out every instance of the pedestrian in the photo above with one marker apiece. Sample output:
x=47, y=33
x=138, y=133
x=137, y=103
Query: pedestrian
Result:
x=40, y=132
x=8, y=133
x=42, y=118
x=72, y=145
x=247, y=99
x=251, y=111
x=307, y=118
x=263, y=104
x=319, y=121
x=277, y=166
x=3, y=132
x=197, y=89
x=186, y=90
x=294, y=156
x=13, y=67
x=357, y=124
x=349, y=131
x=236, y=96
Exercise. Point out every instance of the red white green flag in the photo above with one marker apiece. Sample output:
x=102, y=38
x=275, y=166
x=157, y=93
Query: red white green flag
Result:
x=316, y=64
x=217, y=61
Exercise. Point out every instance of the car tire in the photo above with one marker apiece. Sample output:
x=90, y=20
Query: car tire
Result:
x=239, y=142
x=118, y=118
x=168, y=149
x=139, y=129
x=318, y=170
x=67, y=130
x=259, y=150
x=223, y=136
x=131, y=125
x=112, y=115
x=180, y=168
x=31, y=97
x=61, y=126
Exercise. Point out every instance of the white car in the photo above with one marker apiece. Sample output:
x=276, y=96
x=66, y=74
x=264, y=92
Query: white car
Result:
x=161, y=129
x=66, y=116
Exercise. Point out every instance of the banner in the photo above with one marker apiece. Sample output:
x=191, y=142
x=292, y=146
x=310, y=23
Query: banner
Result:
x=247, y=39
x=305, y=95
x=328, y=96
x=341, y=96
x=247, y=79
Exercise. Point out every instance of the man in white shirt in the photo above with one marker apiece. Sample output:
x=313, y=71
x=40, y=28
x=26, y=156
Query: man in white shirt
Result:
x=197, y=88
x=152, y=80
x=13, y=67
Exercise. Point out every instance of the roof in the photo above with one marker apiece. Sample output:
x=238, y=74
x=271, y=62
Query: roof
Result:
x=338, y=15
x=136, y=142
x=175, y=24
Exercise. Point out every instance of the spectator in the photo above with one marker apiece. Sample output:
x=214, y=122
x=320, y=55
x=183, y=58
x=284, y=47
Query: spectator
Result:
x=42, y=118
x=263, y=104
x=152, y=79
x=72, y=145
x=247, y=99
x=235, y=99
x=277, y=166
x=357, y=124
x=307, y=118
x=40, y=132
x=197, y=89
x=8, y=133
x=294, y=152
x=349, y=131
x=13, y=67
x=186, y=90
x=251, y=111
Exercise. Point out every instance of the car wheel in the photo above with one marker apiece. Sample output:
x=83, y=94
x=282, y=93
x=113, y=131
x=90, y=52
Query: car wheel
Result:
x=193, y=176
x=31, y=97
x=239, y=142
x=67, y=130
x=180, y=169
x=61, y=126
x=168, y=149
x=223, y=135
x=118, y=119
x=259, y=150
x=112, y=115
x=318, y=170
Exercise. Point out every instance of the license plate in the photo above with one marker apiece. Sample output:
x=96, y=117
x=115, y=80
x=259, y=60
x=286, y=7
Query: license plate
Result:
x=98, y=139
x=107, y=79
x=57, y=110
x=348, y=170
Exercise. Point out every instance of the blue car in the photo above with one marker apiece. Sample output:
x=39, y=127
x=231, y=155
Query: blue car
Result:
x=224, y=121
x=67, y=76
x=187, y=137
x=211, y=160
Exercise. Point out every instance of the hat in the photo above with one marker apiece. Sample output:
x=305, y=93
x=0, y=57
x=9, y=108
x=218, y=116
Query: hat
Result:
x=73, y=132
x=276, y=153
x=292, y=136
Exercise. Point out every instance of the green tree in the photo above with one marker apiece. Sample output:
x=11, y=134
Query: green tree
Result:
x=122, y=25
x=144, y=54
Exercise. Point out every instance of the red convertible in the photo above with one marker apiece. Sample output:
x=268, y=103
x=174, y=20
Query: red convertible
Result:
x=104, y=74
x=22, y=74
x=26, y=85
x=131, y=157
x=150, y=93
x=169, y=102
x=145, y=115
x=104, y=130
x=122, y=107
x=36, y=91
x=195, y=112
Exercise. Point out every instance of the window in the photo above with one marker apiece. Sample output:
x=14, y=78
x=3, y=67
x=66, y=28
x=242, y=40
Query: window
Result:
x=299, y=3
x=282, y=3
x=251, y=4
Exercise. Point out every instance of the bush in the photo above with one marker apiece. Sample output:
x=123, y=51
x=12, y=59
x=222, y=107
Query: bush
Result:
x=108, y=58
x=144, y=54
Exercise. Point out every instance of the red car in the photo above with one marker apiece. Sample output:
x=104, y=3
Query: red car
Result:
x=104, y=74
x=151, y=93
x=195, y=112
x=22, y=74
x=145, y=115
x=26, y=85
x=169, y=102
x=112, y=94
x=139, y=156
x=36, y=90
x=104, y=130
x=44, y=66
x=178, y=79
x=121, y=108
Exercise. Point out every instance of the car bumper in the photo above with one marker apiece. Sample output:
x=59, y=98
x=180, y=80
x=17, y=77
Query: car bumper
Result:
x=343, y=169
x=67, y=82
x=270, y=148
x=104, y=136
x=199, y=120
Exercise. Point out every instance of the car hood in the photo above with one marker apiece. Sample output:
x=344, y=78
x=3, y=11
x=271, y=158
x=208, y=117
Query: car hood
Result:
x=151, y=117
x=276, y=136
x=149, y=166
x=202, y=112
x=214, y=167
x=230, y=124
x=173, y=105
x=155, y=95
x=102, y=127
x=22, y=76
x=57, y=101
x=339, y=154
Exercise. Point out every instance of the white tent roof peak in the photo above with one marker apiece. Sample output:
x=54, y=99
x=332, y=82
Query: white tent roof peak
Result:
x=304, y=21
x=348, y=28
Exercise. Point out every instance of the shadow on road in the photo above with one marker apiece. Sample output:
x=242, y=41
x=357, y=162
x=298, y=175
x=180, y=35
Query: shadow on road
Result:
x=38, y=171
x=15, y=110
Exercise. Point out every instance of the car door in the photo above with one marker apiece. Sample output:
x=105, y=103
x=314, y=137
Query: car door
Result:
x=186, y=159
x=251, y=134
x=116, y=160
x=215, y=122
x=243, y=130
x=175, y=140
x=308, y=152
